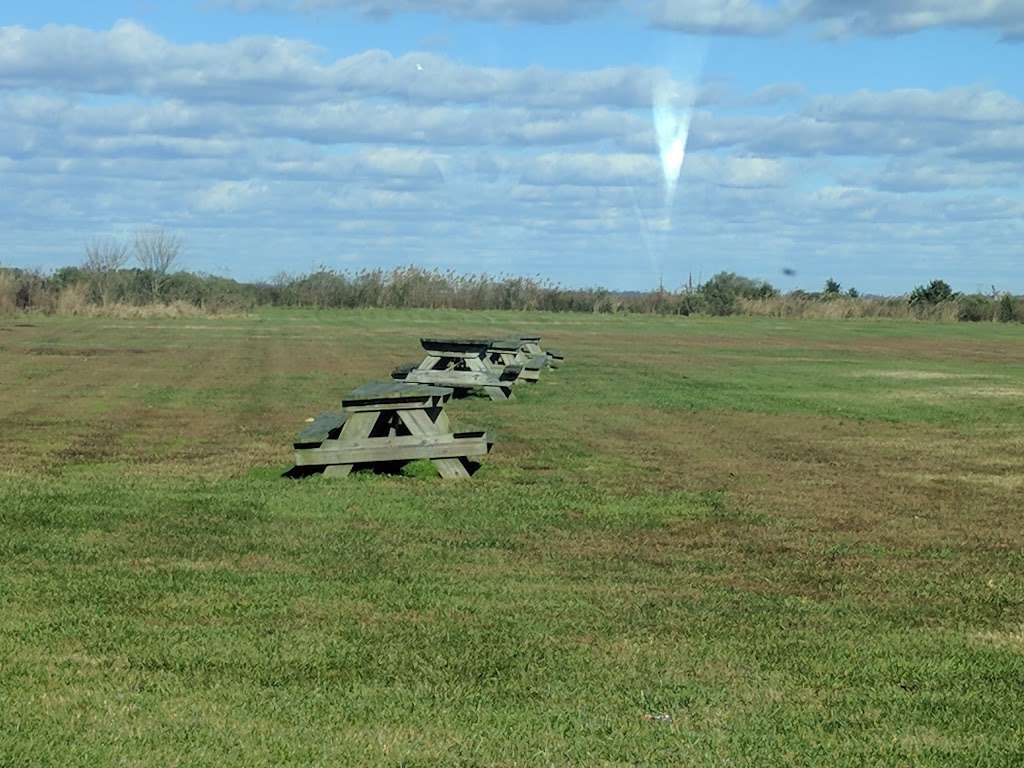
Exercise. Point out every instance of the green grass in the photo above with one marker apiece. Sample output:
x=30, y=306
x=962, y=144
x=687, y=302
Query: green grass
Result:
x=800, y=541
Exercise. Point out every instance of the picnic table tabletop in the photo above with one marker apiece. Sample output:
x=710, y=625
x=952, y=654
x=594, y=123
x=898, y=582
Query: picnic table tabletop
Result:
x=477, y=346
x=390, y=391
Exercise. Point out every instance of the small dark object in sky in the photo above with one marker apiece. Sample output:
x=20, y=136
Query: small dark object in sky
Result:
x=788, y=272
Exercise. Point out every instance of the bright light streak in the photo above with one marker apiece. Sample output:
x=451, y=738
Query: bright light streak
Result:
x=672, y=115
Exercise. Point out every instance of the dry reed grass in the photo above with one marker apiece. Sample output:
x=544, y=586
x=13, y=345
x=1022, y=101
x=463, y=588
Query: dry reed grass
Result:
x=843, y=308
x=8, y=294
x=73, y=301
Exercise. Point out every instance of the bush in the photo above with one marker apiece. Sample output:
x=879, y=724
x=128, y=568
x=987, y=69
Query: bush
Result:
x=8, y=292
x=936, y=292
x=975, y=308
x=722, y=292
x=1007, y=311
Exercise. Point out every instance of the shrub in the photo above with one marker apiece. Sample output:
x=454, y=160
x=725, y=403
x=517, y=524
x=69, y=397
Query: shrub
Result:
x=722, y=292
x=8, y=293
x=936, y=292
x=1006, y=311
x=974, y=308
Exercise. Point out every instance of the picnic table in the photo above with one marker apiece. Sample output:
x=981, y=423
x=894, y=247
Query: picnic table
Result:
x=514, y=352
x=384, y=425
x=531, y=345
x=462, y=364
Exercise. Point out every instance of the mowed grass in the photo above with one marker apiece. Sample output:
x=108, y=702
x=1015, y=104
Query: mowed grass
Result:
x=732, y=542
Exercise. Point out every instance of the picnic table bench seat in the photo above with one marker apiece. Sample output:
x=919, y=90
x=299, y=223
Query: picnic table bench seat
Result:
x=555, y=357
x=384, y=425
x=326, y=426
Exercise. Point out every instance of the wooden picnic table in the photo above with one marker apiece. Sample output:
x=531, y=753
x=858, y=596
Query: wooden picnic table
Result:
x=462, y=364
x=384, y=425
x=514, y=352
x=531, y=345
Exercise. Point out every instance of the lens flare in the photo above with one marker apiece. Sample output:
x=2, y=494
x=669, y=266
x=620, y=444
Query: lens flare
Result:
x=672, y=113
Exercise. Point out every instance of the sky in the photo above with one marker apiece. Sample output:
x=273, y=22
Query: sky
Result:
x=589, y=142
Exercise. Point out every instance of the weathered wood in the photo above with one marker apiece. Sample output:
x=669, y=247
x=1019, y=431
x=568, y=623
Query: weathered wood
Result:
x=450, y=378
x=382, y=449
x=511, y=373
x=359, y=425
x=324, y=426
x=455, y=347
x=338, y=470
x=451, y=469
x=388, y=391
x=401, y=371
x=395, y=405
x=505, y=345
x=388, y=424
x=499, y=394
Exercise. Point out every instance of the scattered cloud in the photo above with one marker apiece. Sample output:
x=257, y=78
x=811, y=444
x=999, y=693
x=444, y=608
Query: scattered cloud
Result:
x=422, y=157
x=544, y=11
x=832, y=18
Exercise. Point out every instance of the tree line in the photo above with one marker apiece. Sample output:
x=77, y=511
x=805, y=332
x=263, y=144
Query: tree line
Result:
x=119, y=275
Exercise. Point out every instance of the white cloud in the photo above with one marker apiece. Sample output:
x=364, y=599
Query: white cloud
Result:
x=890, y=17
x=833, y=18
x=724, y=17
x=509, y=10
x=230, y=196
x=261, y=142
x=130, y=59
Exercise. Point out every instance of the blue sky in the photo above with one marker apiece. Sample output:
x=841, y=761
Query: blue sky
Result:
x=880, y=142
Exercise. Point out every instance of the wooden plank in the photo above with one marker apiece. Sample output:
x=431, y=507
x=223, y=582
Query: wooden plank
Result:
x=389, y=390
x=451, y=346
x=358, y=426
x=431, y=362
x=451, y=469
x=397, y=405
x=424, y=423
x=421, y=423
x=338, y=470
x=505, y=345
x=440, y=419
x=392, y=449
x=395, y=441
x=453, y=378
x=499, y=393
x=324, y=426
x=511, y=373
x=401, y=371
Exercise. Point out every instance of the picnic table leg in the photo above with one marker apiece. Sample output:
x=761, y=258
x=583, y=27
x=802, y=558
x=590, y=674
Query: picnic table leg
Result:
x=499, y=393
x=337, y=470
x=430, y=362
x=495, y=393
x=419, y=423
x=357, y=426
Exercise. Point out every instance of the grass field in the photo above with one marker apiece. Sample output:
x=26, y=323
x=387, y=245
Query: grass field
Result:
x=701, y=542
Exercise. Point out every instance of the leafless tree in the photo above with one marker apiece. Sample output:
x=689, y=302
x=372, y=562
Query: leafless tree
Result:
x=156, y=251
x=103, y=258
